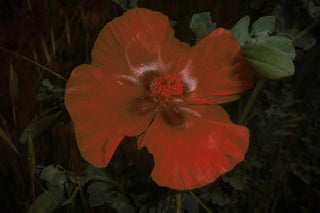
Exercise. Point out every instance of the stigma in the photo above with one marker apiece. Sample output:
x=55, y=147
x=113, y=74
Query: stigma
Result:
x=167, y=89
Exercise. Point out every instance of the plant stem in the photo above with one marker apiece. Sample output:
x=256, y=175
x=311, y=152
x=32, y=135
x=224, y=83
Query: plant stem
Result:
x=305, y=31
x=33, y=62
x=179, y=202
x=251, y=101
x=199, y=201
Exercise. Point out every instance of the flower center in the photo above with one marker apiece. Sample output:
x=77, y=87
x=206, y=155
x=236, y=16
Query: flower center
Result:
x=166, y=89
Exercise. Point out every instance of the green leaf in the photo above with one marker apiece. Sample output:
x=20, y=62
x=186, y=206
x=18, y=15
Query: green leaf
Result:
x=268, y=62
x=241, y=30
x=201, y=25
x=102, y=192
x=53, y=175
x=203, y=18
x=36, y=128
x=263, y=24
x=103, y=189
x=281, y=43
x=127, y=4
x=49, y=200
x=95, y=174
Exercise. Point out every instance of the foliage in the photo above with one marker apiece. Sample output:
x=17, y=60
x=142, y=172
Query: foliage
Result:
x=280, y=173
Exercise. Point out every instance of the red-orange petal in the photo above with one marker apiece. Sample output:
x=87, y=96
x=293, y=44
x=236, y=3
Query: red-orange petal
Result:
x=141, y=39
x=214, y=68
x=191, y=157
x=100, y=109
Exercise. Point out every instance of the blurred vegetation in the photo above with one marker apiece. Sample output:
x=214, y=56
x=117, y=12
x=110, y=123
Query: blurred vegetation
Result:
x=39, y=156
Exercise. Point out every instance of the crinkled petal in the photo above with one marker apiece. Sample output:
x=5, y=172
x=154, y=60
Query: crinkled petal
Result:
x=100, y=109
x=142, y=40
x=191, y=157
x=215, y=68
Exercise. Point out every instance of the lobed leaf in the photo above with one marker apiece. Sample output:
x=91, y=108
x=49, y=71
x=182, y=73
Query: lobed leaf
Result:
x=241, y=30
x=202, y=25
x=263, y=24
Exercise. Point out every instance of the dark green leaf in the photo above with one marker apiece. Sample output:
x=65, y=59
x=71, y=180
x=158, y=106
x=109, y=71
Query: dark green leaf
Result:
x=103, y=189
x=95, y=174
x=102, y=192
x=268, y=62
x=263, y=24
x=241, y=30
x=49, y=200
x=36, y=128
x=219, y=197
x=305, y=42
x=234, y=180
x=127, y=4
x=190, y=205
x=53, y=175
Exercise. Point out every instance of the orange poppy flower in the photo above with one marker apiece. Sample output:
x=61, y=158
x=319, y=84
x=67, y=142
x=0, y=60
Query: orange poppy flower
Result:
x=143, y=82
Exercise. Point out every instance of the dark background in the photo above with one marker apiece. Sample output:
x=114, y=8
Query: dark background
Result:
x=281, y=172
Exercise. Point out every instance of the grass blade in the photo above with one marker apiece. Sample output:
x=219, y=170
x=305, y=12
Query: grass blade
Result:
x=45, y=50
x=33, y=62
x=67, y=31
x=8, y=140
x=13, y=84
x=53, y=43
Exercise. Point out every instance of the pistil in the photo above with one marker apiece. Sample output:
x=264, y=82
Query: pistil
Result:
x=167, y=89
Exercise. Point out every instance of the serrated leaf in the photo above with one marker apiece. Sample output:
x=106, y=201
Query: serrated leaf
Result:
x=241, y=30
x=36, y=128
x=268, y=62
x=102, y=192
x=263, y=24
x=202, y=25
